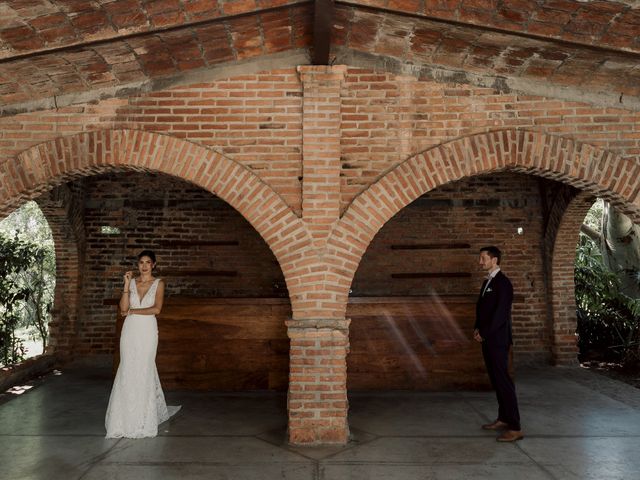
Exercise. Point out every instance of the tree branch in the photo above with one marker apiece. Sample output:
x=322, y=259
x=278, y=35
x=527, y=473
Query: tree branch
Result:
x=590, y=232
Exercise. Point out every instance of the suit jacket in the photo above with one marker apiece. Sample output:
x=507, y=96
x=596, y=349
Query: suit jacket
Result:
x=493, y=312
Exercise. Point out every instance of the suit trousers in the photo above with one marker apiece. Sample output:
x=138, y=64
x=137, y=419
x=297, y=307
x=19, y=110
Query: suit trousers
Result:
x=496, y=359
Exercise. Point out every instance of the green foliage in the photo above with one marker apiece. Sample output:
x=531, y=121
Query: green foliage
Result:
x=39, y=280
x=608, y=320
x=27, y=269
x=593, y=218
x=16, y=256
x=28, y=223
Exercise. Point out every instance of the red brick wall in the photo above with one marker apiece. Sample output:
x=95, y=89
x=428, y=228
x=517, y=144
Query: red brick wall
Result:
x=256, y=120
x=386, y=119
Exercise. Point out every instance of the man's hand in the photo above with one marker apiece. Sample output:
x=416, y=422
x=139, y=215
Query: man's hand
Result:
x=476, y=335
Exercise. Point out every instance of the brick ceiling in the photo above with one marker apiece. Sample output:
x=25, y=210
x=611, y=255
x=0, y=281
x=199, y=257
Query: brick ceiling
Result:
x=55, y=52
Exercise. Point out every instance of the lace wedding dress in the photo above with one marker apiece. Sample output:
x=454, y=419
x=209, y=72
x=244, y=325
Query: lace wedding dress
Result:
x=137, y=405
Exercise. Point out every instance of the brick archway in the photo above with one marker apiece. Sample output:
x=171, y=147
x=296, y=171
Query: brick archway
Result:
x=49, y=164
x=583, y=166
x=590, y=169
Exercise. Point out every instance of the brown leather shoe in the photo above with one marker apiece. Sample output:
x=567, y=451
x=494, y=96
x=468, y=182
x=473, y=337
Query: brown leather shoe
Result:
x=497, y=425
x=511, y=436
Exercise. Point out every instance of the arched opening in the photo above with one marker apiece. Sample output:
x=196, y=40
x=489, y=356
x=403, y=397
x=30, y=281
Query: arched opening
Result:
x=565, y=162
x=222, y=325
x=45, y=166
x=606, y=291
x=412, y=307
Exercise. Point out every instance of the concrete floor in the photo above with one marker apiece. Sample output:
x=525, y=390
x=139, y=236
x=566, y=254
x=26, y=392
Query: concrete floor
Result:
x=578, y=425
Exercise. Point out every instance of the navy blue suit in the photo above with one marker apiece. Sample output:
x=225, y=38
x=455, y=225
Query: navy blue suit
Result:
x=493, y=321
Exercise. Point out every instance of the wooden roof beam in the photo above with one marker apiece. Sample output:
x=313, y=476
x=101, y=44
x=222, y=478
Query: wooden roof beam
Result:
x=322, y=23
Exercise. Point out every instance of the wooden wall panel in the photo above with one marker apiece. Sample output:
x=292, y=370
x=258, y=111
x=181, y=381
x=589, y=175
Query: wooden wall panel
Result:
x=223, y=344
x=414, y=343
x=406, y=343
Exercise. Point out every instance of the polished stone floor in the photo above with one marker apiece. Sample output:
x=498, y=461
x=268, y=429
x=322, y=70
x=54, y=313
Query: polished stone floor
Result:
x=578, y=425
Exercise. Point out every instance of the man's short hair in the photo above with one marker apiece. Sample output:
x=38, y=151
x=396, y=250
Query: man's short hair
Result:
x=493, y=252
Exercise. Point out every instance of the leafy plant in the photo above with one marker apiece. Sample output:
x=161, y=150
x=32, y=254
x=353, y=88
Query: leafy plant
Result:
x=16, y=256
x=608, y=320
x=30, y=311
x=39, y=279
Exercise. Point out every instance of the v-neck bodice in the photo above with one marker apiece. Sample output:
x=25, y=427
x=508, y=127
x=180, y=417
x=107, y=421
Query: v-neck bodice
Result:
x=148, y=299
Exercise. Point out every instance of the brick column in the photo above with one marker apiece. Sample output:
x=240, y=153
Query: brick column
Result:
x=63, y=210
x=562, y=278
x=317, y=400
x=321, y=148
x=564, y=348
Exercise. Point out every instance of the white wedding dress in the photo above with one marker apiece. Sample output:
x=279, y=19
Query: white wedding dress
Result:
x=137, y=405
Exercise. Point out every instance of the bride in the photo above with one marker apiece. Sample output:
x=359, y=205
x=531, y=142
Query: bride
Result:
x=137, y=405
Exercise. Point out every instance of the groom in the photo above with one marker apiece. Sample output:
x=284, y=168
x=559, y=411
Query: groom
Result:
x=493, y=330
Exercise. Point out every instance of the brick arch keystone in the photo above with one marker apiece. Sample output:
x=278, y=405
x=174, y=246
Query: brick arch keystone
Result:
x=46, y=165
x=584, y=166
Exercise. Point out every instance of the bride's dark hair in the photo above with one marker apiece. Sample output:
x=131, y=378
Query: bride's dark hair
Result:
x=147, y=253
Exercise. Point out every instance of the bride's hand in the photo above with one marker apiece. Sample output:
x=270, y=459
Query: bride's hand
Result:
x=127, y=277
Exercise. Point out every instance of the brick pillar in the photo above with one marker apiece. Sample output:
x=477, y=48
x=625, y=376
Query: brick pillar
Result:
x=321, y=148
x=564, y=349
x=62, y=209
x=317, y=400
x=562, y=276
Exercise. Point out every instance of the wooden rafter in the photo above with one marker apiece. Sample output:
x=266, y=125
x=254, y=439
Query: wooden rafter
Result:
x=323, y=18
